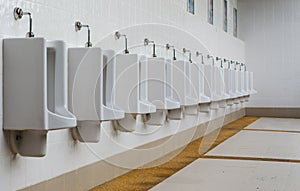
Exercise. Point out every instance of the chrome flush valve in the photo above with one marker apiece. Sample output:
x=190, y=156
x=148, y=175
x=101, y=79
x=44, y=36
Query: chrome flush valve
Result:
x=168, y=46
x=147, y=42
x=78, y=26
x=18, y=14
x=219, y=59
x=228, y=63
x=236, y=64
x=200, y=54
x=211, y=57
x=118, y=35
x=190, y=54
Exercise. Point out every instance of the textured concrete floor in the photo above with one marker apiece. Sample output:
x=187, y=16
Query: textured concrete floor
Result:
x=146, y=178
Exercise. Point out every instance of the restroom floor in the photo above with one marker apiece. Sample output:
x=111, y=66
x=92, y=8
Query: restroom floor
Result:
x=145, y=179
x=263, y=156
x=234, y=175
x=249, y=154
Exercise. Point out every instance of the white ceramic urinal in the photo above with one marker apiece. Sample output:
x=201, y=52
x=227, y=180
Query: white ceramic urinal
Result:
x=35, y=93
x=199, y=83
x=251, y=84
x=91, y=77
x=228, y=86
x=156, y=71
x=204, y=102
x=238, y=83
x=233, y=87
x=109, y=110
x=195, y=80
x=220, y=87
x=210, y=73
x=182, y=86
x=246, y=86
x=194, y=88
x=243, y=90
x=242, y=87
x=130, y=90
x=173, y=114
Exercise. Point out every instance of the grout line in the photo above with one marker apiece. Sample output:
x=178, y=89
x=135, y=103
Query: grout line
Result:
x=272, y=130
x=250, y=158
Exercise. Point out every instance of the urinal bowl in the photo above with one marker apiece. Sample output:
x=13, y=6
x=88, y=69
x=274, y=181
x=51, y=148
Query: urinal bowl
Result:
x=205, y=100
x=219, y=86
x=238, y=87
x=183, y=86
x=91, y=78
x=131, y=90
x=34, y=93
x=251, y=83
x=158, y=75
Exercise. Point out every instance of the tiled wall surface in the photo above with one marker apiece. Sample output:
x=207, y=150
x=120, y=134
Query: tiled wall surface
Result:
x=270, y=30
x=55, y=20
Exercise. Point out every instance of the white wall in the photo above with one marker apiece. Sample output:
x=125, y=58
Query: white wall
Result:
x=270, y=29
x=55, y=20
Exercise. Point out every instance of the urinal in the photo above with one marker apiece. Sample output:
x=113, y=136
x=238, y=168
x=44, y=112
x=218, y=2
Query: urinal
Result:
x=229, y=81
x=182, y=86
x=228, y=84
x=233, y=84
x=198, y=86
x=220, y=87
x=130, y=92
x=244, y=92
x=195, y=88
x=210, y=75
x=91, y=78
x=173, y=114
x=246, y=81
x=243, y=89
x=239, y=86
x=234, y=94
x=204, y=100
x=35, y=93
x=158, y=88
x=218, y=84
x=239, y=83
x=251, y=84
x=247, y=89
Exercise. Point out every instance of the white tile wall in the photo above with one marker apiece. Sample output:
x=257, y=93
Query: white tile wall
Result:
x=270, y=30
x=55, y=20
